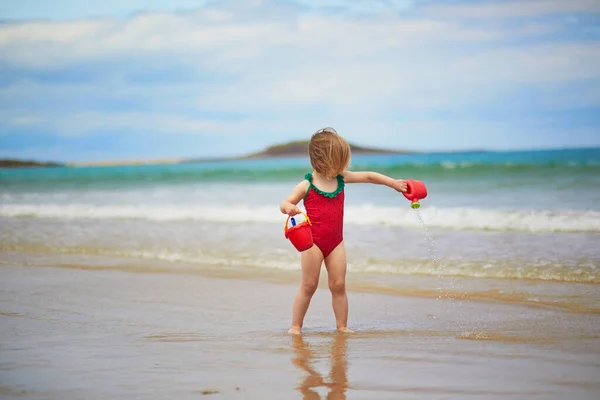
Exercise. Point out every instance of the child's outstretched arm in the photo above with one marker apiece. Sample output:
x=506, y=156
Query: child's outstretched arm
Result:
x=375, y=178
x=288, y=206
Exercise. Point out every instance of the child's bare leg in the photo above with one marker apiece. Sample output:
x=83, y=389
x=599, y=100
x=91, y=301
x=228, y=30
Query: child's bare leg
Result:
x=336, y=271
x=311, y=260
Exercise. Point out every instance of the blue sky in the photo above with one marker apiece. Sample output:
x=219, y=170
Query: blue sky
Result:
x=182, y=78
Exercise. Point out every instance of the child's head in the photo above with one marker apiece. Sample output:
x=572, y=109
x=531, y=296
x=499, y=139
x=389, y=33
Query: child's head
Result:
x=329, y=152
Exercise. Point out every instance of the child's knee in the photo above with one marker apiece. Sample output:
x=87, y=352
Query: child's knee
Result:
x=309, y=288
x=337, y=286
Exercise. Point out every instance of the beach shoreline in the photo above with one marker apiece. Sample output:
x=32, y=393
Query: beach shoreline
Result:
x=568, y=297
x=74, y=333
x=176, y=281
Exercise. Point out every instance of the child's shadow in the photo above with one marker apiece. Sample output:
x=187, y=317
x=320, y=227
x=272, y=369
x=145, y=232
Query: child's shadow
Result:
x=338, y=380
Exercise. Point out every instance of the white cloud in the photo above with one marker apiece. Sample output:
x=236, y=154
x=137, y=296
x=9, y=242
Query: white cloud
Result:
x=543, y=64
x=512, y=9
x=82, y=123
x=218, y=34
x=360, y=6
x=289, y=68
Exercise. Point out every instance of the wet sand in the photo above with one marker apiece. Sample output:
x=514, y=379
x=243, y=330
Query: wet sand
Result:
x=69, y=333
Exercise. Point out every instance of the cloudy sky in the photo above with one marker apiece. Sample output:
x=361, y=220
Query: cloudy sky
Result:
x=117, y=79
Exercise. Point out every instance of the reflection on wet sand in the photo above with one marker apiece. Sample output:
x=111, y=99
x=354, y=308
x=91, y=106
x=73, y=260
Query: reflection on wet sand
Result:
x=337, y=382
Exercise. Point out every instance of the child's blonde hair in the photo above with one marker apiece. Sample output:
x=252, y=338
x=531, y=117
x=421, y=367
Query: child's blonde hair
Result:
x=329, y=152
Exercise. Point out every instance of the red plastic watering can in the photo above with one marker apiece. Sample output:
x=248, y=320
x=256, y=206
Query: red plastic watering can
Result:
x=299, y=234
x=415, y=191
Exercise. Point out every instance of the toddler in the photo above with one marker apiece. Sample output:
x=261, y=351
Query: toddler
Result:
x=322, y=192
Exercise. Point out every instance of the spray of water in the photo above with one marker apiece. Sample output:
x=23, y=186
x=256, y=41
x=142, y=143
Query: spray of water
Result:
x=437, y=263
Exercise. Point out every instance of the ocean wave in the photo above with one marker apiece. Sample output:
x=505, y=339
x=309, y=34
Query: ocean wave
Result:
x=574, y=271
x=549, y=270
x=403, y=217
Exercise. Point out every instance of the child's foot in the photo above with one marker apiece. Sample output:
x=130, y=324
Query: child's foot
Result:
x=294, y=330
x=345, y=330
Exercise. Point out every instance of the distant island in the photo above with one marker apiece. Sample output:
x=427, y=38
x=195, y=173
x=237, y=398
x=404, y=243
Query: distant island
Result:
x=295, y=148
x=300, y=148
x=11, y=163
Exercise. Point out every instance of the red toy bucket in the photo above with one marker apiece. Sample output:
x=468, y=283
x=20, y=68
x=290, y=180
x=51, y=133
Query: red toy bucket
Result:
x=415, y=191
x=299, y=234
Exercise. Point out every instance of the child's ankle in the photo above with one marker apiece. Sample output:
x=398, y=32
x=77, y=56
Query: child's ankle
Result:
x=295, y=329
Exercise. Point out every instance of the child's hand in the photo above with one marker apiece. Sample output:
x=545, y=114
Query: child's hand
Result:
x=291, y=209
x=400, y=185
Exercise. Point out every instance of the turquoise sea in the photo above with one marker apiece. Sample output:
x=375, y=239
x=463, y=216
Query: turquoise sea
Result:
x=494, y=221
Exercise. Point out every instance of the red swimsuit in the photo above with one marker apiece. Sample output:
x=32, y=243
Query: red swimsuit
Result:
x=326, y=212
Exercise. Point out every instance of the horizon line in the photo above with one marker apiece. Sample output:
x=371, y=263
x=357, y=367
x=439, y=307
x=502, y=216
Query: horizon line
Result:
x=246, y=156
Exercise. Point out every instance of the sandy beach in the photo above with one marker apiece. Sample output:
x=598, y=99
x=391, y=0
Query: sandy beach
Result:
x=70, y=333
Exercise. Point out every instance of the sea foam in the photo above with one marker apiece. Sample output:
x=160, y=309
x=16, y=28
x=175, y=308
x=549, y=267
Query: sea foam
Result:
x=445, y=218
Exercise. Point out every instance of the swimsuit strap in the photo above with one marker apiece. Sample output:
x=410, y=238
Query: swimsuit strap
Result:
x=340, y=186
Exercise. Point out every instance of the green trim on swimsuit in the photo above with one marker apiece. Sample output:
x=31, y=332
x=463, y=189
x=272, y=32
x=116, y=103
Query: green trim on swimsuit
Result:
x=331, y=195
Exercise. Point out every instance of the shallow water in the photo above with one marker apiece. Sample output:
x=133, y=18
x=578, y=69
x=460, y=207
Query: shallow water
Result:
x=492, y=215
x=493, y=265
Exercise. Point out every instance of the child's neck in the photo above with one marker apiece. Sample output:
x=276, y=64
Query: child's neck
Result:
x=322, y=176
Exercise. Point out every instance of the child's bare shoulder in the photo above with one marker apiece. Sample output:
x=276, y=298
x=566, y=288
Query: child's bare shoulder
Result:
x=302, y=186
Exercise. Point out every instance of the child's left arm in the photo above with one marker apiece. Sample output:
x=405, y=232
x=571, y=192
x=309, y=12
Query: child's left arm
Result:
x=375, y=178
